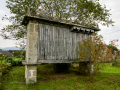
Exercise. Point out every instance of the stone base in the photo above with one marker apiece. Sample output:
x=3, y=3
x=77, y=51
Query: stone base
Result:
x=30, y=73
x=86, y=68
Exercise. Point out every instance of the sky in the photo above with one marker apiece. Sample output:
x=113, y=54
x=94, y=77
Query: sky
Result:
x=109, y=33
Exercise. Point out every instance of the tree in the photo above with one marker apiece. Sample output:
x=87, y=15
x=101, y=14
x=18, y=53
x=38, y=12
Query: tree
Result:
x=95, y=51
x=114, y=48
x=87, y=12
x=0, y=49
x=23, y=55
x=17, y=54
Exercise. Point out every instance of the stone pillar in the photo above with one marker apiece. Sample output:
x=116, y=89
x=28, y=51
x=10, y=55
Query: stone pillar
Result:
x=86, y=68
x=31, y=73
x=31, y=53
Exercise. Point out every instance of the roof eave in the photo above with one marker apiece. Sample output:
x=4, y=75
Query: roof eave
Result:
x=27, y=18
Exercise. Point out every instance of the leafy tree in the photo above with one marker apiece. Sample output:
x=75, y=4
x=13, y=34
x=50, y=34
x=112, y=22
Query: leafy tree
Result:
x=16, y=54
x=87, y=12
x=0, y=49
x=114, y=48
x=95, y=51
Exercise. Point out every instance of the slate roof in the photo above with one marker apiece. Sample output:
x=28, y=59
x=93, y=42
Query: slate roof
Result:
x=11, y=51
x=6, y=53
x=52, y=19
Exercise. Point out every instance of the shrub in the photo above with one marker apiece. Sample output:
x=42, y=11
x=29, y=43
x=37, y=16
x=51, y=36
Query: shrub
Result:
x=17, y=54
x=17, y=63
x=14, y=63
x=23, y=55
x=5, y=67
x=95, y=51
x=9, y=60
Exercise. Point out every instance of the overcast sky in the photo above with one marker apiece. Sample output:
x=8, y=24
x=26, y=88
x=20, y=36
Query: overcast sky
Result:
x=109, y=33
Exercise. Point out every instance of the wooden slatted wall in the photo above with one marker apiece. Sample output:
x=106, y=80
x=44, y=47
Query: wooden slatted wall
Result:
x=58, y=43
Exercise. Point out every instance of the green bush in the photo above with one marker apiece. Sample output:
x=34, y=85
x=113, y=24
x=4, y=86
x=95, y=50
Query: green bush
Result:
x=14, y=63
x=17, y=63
x=17, y=54
x=9, y=60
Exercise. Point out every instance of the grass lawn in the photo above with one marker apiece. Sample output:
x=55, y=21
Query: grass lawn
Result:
x=108, y=79
x=16, y=59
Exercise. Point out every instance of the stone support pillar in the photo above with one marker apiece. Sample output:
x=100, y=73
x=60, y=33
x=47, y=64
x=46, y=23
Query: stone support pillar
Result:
x=31, y=53
x=86, y=68
x=31, y=73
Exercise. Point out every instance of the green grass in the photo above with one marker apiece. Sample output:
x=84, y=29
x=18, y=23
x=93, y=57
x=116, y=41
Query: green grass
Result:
x=107, y=79
x=16, y=59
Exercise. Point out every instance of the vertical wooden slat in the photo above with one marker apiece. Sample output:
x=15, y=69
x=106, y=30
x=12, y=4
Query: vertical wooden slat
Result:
x=62, y=44
x=60, y=38
x=77, y=39
x=66, y=43
x=73, y=44
x=48, y=41
x=70, y=42
x=57, y=47
x=64, y=49
x=44, y=35
x=38, y=42
x=42, y=43
x=50, y=46
x=66, y=35
x=54, y=42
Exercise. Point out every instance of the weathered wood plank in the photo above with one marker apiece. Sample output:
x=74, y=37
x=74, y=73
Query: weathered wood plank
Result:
x=65, y=43
x=58, y=61
x=74, y=41
x=42, y=42
x=44, y=30
x=52, y=43
x=56, y=44
x=38, y=57
x=48, y=40
x=58, y=48
x=60, y=43
x=70, y=46
x=77, y=40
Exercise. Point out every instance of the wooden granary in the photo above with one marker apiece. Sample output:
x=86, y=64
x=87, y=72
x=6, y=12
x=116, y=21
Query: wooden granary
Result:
x=51, y=40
